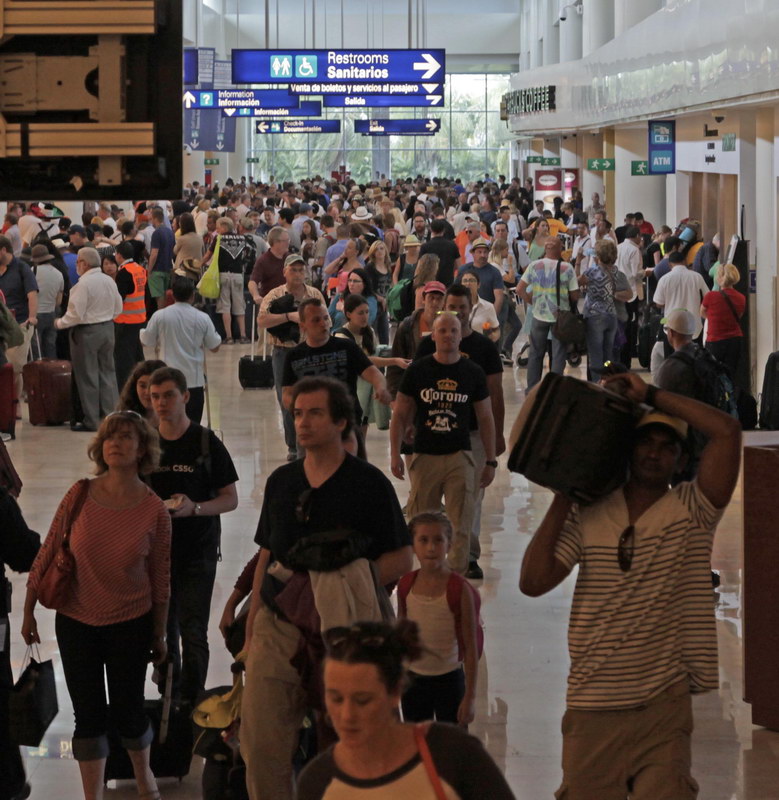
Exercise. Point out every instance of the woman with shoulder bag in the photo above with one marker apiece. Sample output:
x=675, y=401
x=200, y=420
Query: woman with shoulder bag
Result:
x=188, y=249
x=364, y=676
x=723, y=309
x=112, y=607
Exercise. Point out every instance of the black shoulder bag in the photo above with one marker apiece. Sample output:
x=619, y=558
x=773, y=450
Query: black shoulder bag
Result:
x=569, y=327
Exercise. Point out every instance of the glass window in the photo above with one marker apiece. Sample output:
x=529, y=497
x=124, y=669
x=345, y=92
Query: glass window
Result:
x=469, y=92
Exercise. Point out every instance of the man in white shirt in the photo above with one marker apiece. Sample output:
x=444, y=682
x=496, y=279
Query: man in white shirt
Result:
x=630, y=262
x=182, y=332
x=681, y=288
x=581, y=244
x=93, y=304
x=595, y=207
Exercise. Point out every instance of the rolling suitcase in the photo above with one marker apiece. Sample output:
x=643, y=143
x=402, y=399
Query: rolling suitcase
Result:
x=171, y=749
x=648, y=330
x=47, y=382
x=769, y=397
x=574, y=437
x=8, y=401
x=256, y=372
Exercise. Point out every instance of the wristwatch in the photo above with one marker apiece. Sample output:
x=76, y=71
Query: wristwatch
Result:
x=493, y=464
x=196, y=510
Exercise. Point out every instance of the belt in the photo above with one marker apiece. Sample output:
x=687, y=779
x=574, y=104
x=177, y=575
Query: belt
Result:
x=90, y=324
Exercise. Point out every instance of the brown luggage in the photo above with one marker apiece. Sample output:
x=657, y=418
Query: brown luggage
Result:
x=47, y=382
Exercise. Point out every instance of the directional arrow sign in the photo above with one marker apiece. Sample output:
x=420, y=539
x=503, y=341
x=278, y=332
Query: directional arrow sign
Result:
x=383, y=101
x=339, y=66
x=307, y=108
x=551, y=162
x=601, y=164
x=403, y=89
x=537, y=160
x=240, y=98
x=299, y=126
x=396, y=127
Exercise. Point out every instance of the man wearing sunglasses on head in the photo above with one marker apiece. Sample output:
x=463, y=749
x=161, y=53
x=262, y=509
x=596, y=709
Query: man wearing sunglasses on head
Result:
x=642, y=634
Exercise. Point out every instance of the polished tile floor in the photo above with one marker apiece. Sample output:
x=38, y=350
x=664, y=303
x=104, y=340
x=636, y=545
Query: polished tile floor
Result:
x=522, y=679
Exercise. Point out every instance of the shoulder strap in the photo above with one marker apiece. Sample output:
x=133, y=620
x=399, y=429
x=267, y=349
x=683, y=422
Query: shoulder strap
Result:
x=730, y=306
x=404, y=587
x=557, y=281
x=420, y=734
x=78, y=504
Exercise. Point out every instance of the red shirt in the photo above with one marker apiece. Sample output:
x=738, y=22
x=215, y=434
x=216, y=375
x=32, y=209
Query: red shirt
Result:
x=722, y=323
x=268, y=272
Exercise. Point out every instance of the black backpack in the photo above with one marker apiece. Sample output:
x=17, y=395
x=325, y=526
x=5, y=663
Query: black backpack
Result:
x=713, y=384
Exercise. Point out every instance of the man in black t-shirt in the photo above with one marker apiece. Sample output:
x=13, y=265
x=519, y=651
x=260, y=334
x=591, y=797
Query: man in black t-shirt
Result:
x=446, y=250
x=236, y=256
x=437, y=395
x=483, y=352
x=326, y=490
x=196, y=479
x=323, y=354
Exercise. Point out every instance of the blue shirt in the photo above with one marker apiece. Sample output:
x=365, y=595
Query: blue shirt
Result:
x=16, y=283
x=70, y=262
x=163, y=240
x=490, y=280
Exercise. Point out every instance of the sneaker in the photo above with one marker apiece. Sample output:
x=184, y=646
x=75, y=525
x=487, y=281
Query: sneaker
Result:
x=474, y=571
x=507, y=360
x=244, y=340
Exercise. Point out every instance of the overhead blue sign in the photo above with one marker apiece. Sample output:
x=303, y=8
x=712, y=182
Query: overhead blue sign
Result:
x=307, y=108
x=240, y=98
x=199, y=65
x=332, y=66
x=397, y=127
x=299, y=126
x=382, y=101
x=208, y=130
x=367, y=88
x=662, y=147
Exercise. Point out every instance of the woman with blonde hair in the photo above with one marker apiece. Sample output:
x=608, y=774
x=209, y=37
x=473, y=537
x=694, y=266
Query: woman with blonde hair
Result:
x=378, y=265
x=425, y=271
x=723, y=309
x=113, y=619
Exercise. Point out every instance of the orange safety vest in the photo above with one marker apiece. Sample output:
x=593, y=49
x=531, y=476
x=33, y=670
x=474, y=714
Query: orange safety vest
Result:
x=134, y=305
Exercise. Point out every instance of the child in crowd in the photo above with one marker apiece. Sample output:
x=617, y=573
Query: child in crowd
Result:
x=446, y=609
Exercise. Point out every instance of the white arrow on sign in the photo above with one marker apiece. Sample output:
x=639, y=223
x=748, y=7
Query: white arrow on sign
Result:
x=429, y=66
x=194, y=144
x=189, y=98
x=431, y=88
x=606, y=164
x=229, y=111
x=262, y=127
x=220, y=146
x=434, y=99
x=431, y=125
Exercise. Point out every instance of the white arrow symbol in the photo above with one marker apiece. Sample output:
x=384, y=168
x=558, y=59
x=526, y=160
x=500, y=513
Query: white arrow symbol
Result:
x=229, y=111
x=431, y=125
x=434, y=99
x=194, y=144
x=220, y=146
x=189, y=98
x=429, y=66
x=430, y=88
x=262, y=127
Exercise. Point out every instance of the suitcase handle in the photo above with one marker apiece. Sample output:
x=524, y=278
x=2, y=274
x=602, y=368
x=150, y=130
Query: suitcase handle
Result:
x=547, y=451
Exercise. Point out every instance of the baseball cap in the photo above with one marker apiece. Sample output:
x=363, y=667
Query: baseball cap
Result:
x=677, y=426
x=434, y=286
x=294, y=258
x=479, y=243
x=77, y=229
x=679, y=320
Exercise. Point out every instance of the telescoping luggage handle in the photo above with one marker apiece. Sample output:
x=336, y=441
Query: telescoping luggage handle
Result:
x=166, y=702
x=254, y=340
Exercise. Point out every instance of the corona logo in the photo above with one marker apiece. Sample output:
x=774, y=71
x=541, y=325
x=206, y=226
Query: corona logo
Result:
x=447, y=385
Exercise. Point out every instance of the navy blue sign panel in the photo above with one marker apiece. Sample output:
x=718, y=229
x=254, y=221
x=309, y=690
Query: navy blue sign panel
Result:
x=298, y=126
x=396, y=127
x=383, y=101
x=307, y=108
x=662, y=147
x=334, y=66
x=367, y=88
x=223, y=74
x=240, y=98
x=206, y=129
x=199, y=66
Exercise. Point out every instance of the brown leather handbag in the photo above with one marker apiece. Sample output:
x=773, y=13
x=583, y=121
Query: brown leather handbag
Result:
x=54, y=586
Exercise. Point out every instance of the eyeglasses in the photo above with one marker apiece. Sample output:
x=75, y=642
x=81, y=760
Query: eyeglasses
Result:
x=338, y=638
x=625, y=548
x=126, y=413
x=303, y=505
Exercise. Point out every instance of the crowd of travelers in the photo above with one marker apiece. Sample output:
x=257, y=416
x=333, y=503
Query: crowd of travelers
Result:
x=398, y=305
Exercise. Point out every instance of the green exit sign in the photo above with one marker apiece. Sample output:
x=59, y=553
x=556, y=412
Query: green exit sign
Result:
x=252, y=160
x=211, y=162
x=551, y=162
x=639, y=168
x=601, y=164
x=535, y=160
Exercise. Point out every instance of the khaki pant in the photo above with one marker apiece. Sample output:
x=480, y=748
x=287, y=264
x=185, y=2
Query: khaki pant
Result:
x=641, y=753
x=452, y=478
x=272, y=708
x=17, y=357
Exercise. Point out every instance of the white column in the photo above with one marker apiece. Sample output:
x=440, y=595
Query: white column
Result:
x=598, y=24
x=571, y=30
x=628, y=13
x=645, y=193
x=764, y=340
x=677, y=197
x=551, y=35
x=591, y=147
x=236, y=162
x=193, y=167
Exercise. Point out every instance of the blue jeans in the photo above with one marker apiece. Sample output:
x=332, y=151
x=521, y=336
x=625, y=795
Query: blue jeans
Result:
x=539, y=338
x=278, y=357
x=601, y=330
x=47, y=335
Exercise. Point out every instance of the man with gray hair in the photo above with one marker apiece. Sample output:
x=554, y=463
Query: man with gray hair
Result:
x=93, y=304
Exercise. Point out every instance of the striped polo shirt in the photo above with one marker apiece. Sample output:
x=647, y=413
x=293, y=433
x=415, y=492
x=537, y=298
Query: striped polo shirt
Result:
x=632, y=634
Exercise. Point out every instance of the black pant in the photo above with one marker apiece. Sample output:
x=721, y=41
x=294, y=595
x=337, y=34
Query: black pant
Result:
x=128, y=350
x=434, y=696
x=11, y=766
x=631, y=333
x=728, y=351
x=92, y=653
x=195, y=403
x=191, y=586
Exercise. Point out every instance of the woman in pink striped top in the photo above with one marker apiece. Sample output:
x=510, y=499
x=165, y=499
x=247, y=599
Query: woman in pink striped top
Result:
x=113, y=621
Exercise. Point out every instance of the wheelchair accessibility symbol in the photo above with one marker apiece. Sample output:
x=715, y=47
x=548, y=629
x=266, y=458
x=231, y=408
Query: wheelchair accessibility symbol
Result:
x=305, y=66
